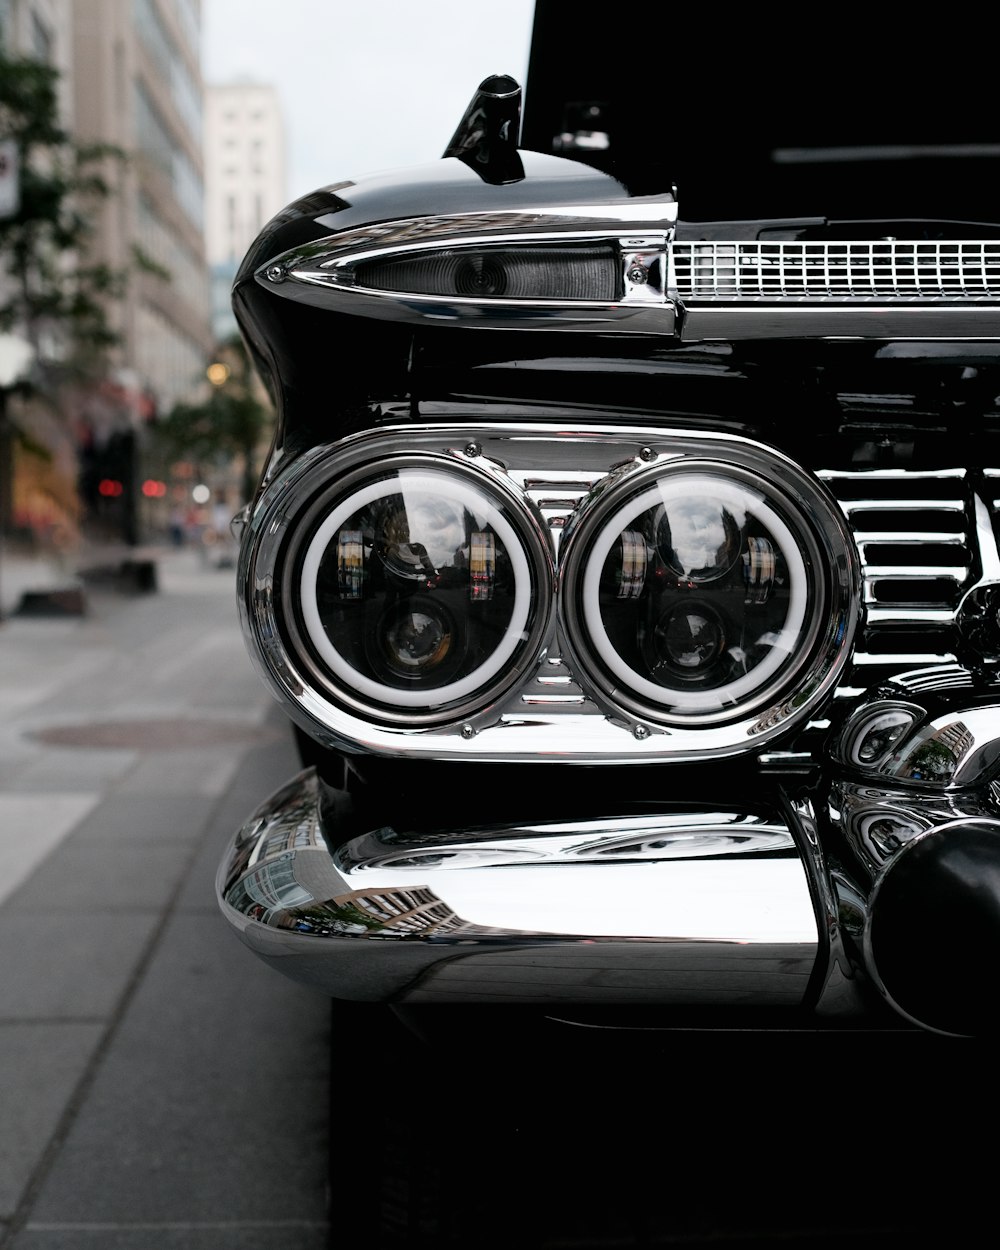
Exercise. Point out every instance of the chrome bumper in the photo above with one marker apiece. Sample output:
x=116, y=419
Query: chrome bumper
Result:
x=674, y=909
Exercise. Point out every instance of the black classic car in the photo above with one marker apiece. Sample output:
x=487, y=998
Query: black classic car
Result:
x=627, y=561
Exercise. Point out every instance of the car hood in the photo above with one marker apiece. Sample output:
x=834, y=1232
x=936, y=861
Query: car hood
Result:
x=871, y=120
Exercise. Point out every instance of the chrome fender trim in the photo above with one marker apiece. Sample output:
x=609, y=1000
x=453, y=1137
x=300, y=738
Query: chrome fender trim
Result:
x=677, y=908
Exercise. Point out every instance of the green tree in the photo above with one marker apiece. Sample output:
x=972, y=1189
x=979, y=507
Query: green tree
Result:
x=231, y=422
x=52, y=296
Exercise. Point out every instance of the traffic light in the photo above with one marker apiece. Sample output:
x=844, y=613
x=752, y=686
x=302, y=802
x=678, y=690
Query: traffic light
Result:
x=108, y=483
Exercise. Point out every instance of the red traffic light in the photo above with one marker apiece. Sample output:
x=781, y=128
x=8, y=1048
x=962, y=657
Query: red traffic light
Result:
x=109, y=487
x=153, y=489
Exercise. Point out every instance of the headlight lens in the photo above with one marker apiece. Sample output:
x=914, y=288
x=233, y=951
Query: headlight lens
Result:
x=411, y=590
x=697, y=594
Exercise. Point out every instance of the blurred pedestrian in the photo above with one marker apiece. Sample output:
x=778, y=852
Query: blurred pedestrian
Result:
x=176, y=526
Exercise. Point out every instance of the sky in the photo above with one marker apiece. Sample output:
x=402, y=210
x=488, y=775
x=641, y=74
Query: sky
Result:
x=365, y=85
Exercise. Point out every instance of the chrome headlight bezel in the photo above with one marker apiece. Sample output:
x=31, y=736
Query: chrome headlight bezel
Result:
x=295, y=525
x=547, y=697
x=808, y=539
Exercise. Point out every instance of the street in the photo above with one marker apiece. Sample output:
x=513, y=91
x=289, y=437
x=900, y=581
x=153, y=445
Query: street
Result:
x=159, y=1087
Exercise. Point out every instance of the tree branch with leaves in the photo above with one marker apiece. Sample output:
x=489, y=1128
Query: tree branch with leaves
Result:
x=231, y=423
x=53, y=296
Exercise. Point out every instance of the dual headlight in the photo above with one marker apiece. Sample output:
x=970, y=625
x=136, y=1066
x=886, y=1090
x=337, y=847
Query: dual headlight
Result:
x=412, y=591
x=701, y=595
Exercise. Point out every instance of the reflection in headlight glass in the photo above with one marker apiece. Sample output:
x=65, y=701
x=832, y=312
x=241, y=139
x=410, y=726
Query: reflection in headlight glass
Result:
x=694, y=594
x=415, y=589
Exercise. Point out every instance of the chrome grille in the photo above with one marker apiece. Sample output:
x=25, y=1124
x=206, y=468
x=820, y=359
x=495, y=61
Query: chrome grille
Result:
x=888, y=269
x=917, y=537
x=916, y=534
x=556, y=494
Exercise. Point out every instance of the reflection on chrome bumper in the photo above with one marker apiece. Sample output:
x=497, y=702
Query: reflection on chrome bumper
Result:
x=676, y=908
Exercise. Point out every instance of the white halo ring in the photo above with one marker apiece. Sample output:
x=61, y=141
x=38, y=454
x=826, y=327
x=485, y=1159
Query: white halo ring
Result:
x=439, y=484
x=672, y=487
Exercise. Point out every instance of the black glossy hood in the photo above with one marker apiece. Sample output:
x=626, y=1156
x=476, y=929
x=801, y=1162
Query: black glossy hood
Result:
x=855, y=115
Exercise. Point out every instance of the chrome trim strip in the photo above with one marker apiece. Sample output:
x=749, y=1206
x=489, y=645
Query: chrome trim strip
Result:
x=851, y=506
x=709, y=290
x=672, y=908
x=880, y=615
x=892, y=475
x=548, y=700
x=906, y=572
x=639, y=229
x=882, y=152
x=972, y=322
x=899, y=659
x=907, y=538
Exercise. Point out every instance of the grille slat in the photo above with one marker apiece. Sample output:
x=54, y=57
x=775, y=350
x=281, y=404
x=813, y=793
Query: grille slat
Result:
x=920, y=555
x=926, y=572
x=919, y=561
x=899, y=538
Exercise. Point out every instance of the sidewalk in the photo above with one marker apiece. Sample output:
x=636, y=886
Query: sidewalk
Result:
x=51, y=585
x=21, y=574
x=159, y=1087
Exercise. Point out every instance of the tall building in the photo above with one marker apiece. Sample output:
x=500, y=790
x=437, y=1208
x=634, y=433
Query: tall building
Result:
x=39, y=29
x=138, y=85
x=245, y=181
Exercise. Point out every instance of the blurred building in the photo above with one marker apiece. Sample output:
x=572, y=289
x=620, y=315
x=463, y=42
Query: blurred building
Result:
x=138, y=85
x=39, y=29
x=37, y=492
x=245, y=181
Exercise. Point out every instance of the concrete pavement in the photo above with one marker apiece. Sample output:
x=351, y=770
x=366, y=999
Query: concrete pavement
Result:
x=159, y=1087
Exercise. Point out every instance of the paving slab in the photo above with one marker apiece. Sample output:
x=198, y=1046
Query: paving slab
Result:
x=128, y=820
x=210, y=1104
x=80, y=971
x=31, y=827
x=41, y=1066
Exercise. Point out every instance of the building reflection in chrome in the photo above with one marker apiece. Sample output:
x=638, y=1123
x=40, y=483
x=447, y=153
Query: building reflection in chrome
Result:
x=686, y=907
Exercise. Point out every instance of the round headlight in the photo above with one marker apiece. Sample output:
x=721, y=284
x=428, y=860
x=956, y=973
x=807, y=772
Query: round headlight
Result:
x=410, y=591
x=699, y=593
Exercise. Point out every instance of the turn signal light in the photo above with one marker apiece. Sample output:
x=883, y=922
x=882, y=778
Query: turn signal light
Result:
x=502, y=273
